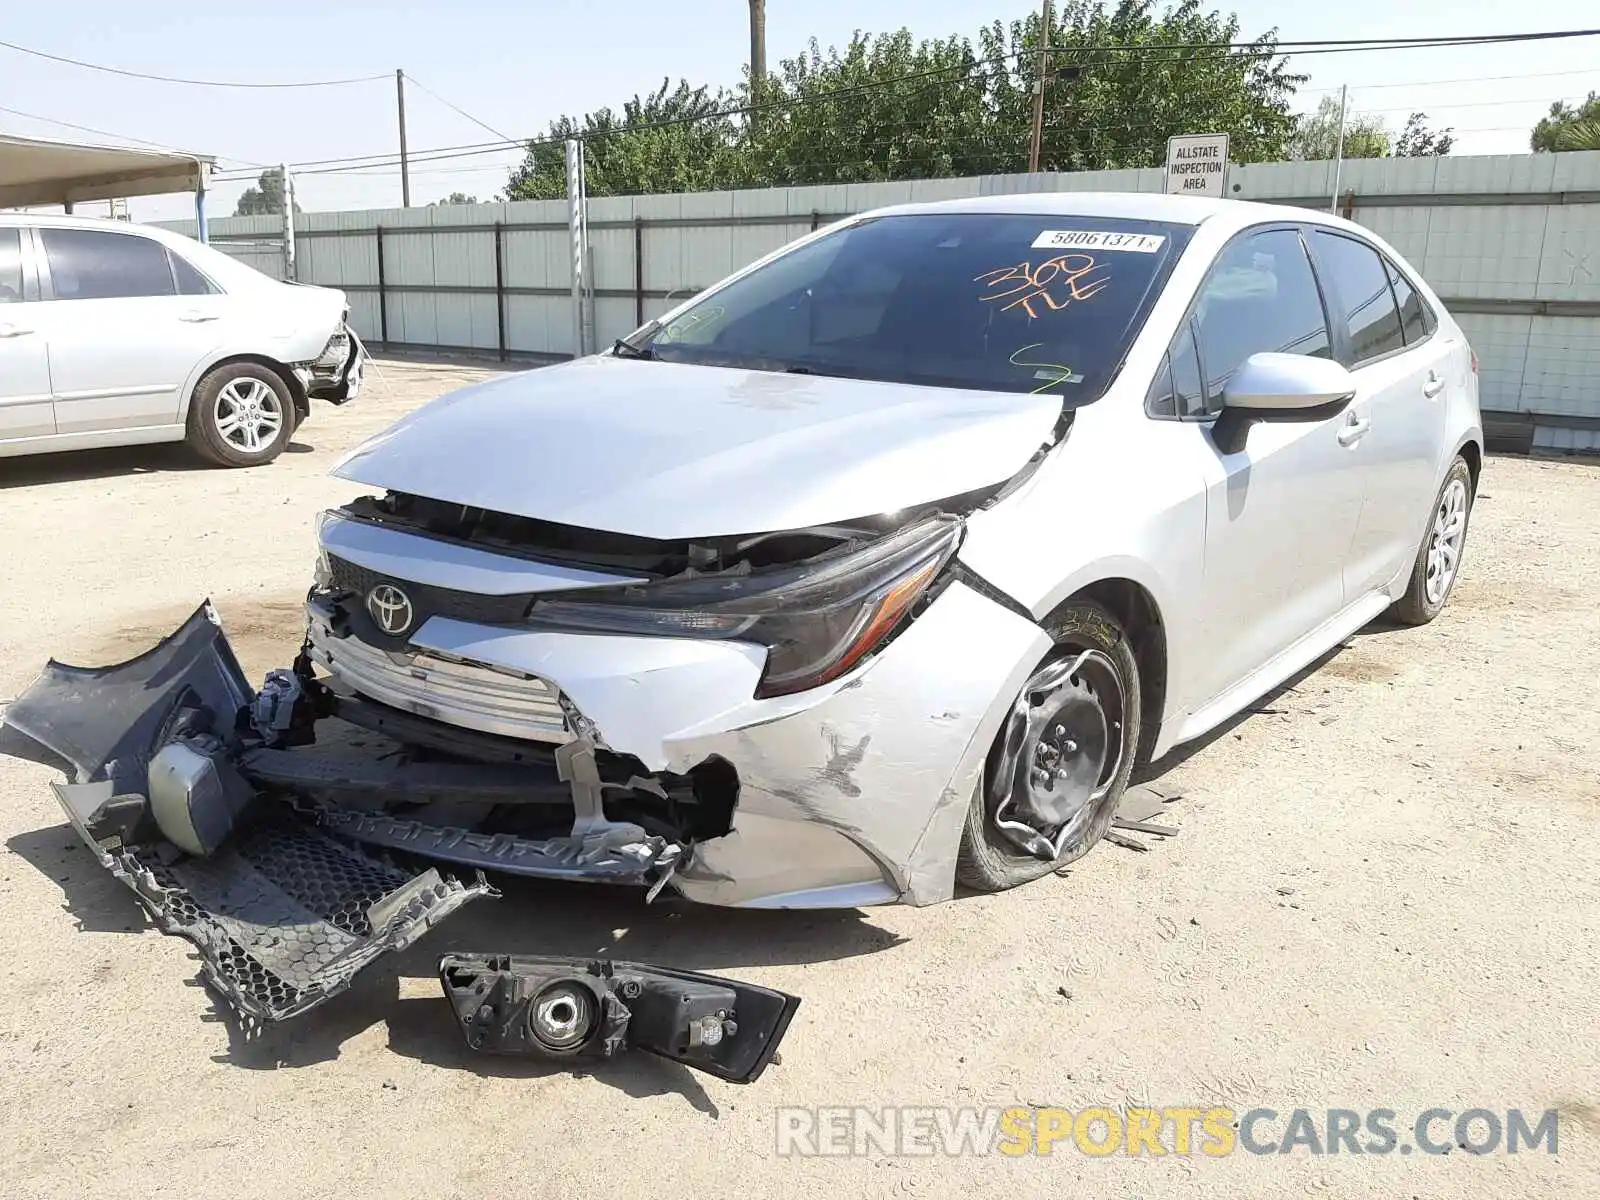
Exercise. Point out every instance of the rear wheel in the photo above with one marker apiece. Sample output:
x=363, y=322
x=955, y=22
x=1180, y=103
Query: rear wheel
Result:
x=242, y=415
x=1061, y=761
x=1438, y=562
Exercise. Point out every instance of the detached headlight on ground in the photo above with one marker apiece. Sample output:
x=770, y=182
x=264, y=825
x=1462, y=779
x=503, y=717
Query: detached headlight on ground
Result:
x=817, y=621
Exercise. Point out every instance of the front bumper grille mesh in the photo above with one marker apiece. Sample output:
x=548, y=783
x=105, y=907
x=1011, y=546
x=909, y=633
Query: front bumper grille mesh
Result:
x=284, y=912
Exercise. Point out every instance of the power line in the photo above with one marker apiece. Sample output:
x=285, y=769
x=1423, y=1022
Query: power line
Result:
x=457, y=108
x=221, y=83
x=1470, y=79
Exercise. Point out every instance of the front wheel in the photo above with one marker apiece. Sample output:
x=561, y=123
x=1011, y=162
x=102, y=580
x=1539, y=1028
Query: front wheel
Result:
x=1438, y=561
x=1061, y=761
x=242, y=416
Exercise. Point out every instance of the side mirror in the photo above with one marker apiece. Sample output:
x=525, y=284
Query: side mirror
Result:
x=1280, y=387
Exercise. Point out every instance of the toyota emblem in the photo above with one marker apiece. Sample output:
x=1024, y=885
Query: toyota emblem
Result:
x=390, y=608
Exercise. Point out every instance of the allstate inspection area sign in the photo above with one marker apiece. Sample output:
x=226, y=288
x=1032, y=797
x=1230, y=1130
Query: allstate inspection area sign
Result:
x=1197, y=164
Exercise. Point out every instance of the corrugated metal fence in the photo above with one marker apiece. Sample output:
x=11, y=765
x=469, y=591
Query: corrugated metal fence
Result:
x=1512, y=243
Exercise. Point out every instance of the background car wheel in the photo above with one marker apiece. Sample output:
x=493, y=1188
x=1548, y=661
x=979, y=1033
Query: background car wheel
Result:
x=242, y=416
x=1438, y=563
x=1061, y=761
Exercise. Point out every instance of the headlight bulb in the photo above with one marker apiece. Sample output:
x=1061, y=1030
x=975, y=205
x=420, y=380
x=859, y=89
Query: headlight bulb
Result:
x=562, y=1016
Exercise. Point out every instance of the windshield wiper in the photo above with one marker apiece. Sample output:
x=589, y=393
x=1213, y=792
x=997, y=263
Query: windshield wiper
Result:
x=831, y=372
x=627, y=348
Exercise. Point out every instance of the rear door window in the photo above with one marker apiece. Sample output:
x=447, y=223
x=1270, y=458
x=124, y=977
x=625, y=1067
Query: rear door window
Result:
x=10, y=266
x=89, y=264
x=1366, y=302
x=1415, y=316
x=190, y=281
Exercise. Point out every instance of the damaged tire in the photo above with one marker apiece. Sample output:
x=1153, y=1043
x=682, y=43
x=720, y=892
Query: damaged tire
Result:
x=1061, y=761
x=242, y=415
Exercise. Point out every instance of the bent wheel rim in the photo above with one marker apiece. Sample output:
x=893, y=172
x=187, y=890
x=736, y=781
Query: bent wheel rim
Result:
x=1059, y=754
x=248, y=415
x=1444, y=541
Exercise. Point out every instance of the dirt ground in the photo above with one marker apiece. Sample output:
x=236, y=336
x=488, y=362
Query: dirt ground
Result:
x=1385, y=894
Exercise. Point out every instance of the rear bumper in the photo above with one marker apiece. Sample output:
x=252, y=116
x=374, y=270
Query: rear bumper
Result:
x=336, y=375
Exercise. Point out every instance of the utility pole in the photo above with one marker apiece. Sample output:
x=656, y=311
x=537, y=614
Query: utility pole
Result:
x=758, y=47
x=1038, y=89
x=1338, y=152
x=405, y=165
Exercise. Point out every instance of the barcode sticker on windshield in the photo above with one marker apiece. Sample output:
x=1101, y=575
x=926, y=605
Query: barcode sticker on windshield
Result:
x=1089, y=239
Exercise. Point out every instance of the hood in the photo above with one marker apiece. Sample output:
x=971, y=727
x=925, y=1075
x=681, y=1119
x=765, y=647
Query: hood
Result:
x=668, y=450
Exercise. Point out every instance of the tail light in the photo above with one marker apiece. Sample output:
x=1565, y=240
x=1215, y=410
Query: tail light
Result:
x=1474, y=354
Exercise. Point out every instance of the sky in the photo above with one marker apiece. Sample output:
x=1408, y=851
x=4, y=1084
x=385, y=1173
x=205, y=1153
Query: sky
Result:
x=515, y=66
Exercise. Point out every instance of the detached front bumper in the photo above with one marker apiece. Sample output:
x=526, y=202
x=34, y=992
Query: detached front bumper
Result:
x=284, y=915
x=187, y=786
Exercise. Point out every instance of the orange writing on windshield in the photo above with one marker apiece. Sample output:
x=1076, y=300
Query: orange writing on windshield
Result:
x=1053, y=284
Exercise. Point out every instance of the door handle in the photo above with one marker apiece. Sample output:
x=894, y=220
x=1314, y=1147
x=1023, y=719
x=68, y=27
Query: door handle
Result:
x=1434, y=386
x=11, y=331
x=1355, y=428
x=194, y=318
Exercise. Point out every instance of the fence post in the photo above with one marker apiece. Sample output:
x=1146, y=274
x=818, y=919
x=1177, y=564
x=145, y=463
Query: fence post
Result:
x=575, y=227
x=816, y=220
x=290, y=269
x=1347, y=211
x=500, y=284
x=383, y=300
x=638, y=272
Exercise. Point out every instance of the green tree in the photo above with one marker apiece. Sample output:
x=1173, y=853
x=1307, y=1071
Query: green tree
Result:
x=672, y=140
x=1131, y=93
x=1569, y=128
x=265, y=198
x=455, y=198
x=1416, y=140
x=890, y=107
x=1316, y=134
x=885, y=107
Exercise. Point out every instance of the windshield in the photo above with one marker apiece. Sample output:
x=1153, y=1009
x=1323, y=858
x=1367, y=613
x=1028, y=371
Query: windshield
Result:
x=992, y=301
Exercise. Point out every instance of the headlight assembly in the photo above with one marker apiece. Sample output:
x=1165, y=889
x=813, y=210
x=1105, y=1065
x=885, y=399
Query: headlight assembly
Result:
x=817, y=621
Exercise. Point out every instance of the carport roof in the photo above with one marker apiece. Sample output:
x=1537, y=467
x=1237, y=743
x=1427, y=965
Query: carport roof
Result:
x=39, y=172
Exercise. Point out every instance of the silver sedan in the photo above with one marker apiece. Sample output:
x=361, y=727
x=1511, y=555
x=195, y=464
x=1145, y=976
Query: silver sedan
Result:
x=873, y=569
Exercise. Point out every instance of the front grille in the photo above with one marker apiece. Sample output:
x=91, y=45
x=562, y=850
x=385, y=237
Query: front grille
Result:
x=282, y=915
x=458, y=693
x=428, y=601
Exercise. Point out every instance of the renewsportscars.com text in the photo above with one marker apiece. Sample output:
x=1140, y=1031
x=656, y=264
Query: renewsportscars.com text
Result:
x=1209, y=1132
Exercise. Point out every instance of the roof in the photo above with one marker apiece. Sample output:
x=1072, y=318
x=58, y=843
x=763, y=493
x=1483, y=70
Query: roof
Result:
x=1138, y=206
x=41, y=172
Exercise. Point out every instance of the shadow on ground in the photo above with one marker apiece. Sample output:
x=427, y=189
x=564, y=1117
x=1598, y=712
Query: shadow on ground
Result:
x=1337, y=663
x=76, y=466
x=90, y=895
x=531, y=917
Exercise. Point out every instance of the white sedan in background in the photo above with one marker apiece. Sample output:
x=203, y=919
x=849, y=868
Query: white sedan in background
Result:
x=114, y=334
